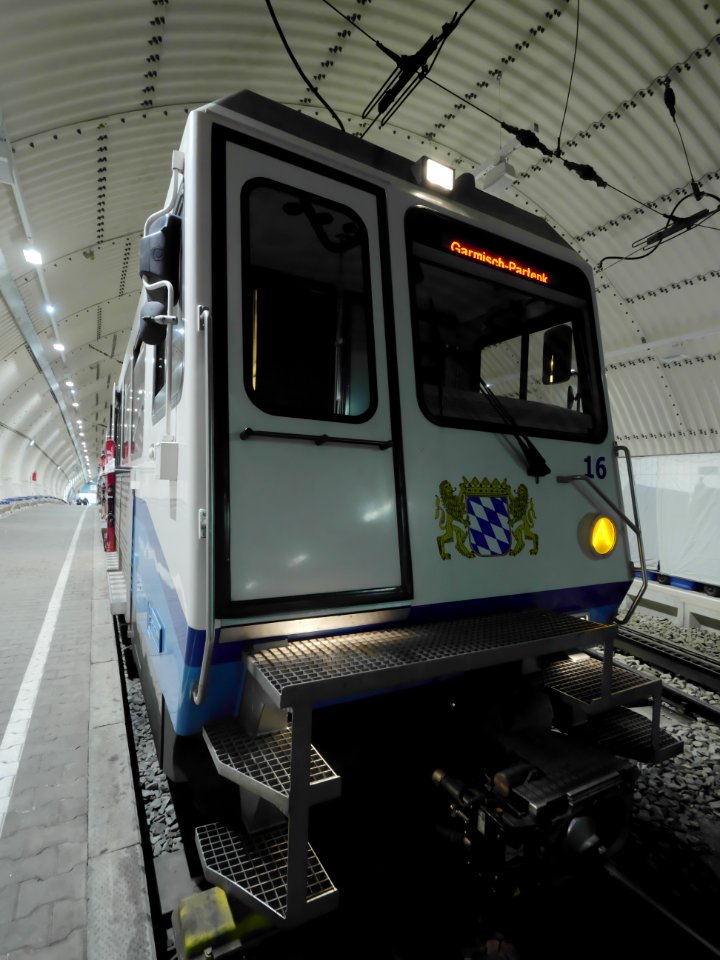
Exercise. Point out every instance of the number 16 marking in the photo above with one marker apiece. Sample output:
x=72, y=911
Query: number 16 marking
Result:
x=600, y=468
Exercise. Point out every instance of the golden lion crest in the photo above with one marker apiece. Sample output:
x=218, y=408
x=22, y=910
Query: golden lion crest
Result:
x=484, y=518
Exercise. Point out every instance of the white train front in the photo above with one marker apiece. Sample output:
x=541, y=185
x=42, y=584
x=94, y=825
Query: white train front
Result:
x=347, y=401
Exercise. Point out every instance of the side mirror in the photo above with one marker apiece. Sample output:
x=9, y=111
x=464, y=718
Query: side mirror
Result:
x=557, y=354
x=159, y=252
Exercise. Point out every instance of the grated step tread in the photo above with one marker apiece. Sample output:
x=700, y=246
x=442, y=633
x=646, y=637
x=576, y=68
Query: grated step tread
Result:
x=117, y=591
x=262, y=764
x=253, y=868
x=579, y=680
x=628, y=734
x=323, y=669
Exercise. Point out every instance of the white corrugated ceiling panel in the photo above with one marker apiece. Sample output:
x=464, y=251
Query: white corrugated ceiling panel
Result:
x=94, y=94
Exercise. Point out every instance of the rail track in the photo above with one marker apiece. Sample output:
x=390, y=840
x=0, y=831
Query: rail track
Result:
x=673, y=657
x=671, y=858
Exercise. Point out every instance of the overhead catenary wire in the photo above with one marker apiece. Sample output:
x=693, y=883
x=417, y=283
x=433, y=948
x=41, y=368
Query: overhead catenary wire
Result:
x=584, y=171
x=670, y=103
x=526, y=138
x=299, y=69
x=629, y=256
x=410, y=69
x=676, y=227
x=530, y=140
x=558, y=151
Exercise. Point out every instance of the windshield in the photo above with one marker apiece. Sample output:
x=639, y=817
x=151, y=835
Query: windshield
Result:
x=490, y=312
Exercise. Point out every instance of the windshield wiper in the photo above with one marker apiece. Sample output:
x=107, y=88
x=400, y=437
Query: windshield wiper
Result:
x=536, y=465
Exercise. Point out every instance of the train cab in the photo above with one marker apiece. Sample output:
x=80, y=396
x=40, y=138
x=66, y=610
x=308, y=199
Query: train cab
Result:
x=363, y=446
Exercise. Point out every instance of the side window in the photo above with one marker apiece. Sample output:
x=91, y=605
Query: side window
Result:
x=138, y=403
x=125, y=416
x=174, y=341
x=308, y=326
x=177, y=333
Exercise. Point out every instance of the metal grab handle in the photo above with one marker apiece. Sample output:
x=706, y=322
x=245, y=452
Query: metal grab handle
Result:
x=198, y=693
x=634, y=525
x=638, y=534
x=317, y=438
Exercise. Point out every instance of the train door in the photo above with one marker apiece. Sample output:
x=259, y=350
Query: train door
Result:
x=308, y=494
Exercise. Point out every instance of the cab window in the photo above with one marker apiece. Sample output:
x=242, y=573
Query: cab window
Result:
x=492, y=316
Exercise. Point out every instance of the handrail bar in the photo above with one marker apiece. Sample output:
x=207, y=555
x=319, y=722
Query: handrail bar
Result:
x=634, y=525
x=317, y=438
x=198, y=693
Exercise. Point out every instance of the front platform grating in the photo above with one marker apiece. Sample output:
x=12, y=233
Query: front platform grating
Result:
x=579, y=681
x=332, y=668
x=254, y=869
x=628, y=734
x=117, y=592
x=262, y=764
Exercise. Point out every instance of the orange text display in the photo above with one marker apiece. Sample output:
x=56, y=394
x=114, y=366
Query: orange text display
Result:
x=512, y=266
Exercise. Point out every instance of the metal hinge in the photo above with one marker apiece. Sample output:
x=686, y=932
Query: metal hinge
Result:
x=202, y=524
x=203, y=318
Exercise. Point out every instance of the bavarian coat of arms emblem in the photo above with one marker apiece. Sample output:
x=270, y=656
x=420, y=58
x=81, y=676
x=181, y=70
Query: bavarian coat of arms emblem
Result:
x=485, y=518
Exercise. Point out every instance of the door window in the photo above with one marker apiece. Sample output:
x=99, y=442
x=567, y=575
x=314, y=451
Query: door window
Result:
x=307, y=337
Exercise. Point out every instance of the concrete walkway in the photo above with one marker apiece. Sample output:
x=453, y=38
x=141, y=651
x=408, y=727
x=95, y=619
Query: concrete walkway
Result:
x=72, y=881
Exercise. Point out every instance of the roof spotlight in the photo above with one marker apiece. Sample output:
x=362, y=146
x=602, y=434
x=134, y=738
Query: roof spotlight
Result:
x=33, y=256
x=432, y=173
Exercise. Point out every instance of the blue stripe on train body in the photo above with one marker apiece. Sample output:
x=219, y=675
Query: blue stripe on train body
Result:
x=176, y=667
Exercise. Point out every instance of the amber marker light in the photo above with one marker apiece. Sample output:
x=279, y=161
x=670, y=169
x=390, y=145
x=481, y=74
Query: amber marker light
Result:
x=603, y=536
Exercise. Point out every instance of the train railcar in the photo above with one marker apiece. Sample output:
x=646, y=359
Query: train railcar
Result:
x=363, y=445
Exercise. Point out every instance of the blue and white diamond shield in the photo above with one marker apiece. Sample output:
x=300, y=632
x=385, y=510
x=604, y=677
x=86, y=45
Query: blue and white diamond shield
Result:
x=489, y=525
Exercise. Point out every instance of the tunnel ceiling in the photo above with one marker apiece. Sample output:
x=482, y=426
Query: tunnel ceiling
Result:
x=94, y=95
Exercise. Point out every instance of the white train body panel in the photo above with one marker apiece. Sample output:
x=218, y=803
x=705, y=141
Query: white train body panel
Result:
x=368, y=512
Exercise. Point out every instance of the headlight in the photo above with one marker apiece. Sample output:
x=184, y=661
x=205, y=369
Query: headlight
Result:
x=603, y=536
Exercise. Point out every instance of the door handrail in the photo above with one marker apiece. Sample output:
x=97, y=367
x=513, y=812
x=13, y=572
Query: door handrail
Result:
x=317, y=438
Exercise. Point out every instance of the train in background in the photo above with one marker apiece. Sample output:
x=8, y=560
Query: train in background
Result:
x=361, y=446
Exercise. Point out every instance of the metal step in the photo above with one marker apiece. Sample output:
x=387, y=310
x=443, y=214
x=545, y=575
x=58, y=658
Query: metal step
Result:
x=262, y=764
x=254, y=869
x=578, y=680
x=628, y=734
x=334, y=668
x=117, y=591
x=112, y=560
